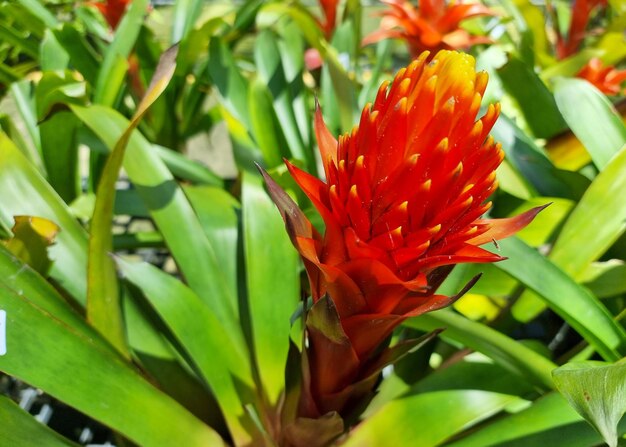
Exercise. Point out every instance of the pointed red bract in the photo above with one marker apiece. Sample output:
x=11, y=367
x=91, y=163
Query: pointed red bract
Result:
x=403, y=201
x=581, y=12
x=112, y=10
x=607, y=79
x=433, y=26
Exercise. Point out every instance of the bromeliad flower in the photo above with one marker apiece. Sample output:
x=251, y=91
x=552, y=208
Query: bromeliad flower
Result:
x=329, y=22
x=607, y=79
x=112, y=10
x=434, y=26
x=581, y=12
x=402, y=203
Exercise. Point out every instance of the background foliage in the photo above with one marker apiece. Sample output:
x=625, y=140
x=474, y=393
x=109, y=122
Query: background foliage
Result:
x=184, y=336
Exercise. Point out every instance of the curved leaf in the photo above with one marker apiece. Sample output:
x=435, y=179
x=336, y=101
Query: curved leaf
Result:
x=441, y=414
x=573, y=303
x=20, y=429
x=505, y=351
x=41, y=349
x=592, y=118
x=273, y=279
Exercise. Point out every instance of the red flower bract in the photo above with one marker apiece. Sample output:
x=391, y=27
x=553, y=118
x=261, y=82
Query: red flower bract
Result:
x=112, y=10
x=607, y=79
x=402, y=203
x=434, y=26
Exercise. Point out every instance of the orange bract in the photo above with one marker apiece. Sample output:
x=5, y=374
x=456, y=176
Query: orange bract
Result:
x=434, y=26
x=406, y=189
x=581, y=12
x=112, y=10
x=607, y=79
x=402, y=203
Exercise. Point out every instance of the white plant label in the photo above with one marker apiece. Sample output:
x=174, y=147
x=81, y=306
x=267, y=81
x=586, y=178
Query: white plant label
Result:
x=3, y=332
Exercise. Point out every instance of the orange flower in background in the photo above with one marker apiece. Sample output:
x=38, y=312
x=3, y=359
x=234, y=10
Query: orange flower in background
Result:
x=434, y=26
x=581, y=12
x=402, y=203
x=329, y=22
x=112, y=10
x=607, y=79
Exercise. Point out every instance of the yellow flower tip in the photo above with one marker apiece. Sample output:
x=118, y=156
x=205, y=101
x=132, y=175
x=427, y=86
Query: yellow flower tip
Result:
x=467, y=188
x=481, y=82
x=382, y=90
x=412, y=160
x=477, y=129
x=354, y=193
x=403, y=88
x=373, y=116
x=443, y=146
x=434, y=229
x=401, y=106
x=399, y=75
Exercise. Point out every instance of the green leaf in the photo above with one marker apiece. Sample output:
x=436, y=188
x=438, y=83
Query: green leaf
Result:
x=230, y=83
x=573, y=303
x=529, y=159
x=59, y=148
x=186, y=169
x=218, y=212
x=598, y=219
x=113, y=69
x=32, y=236
x=185, y=14
x=592, y=118
x=273, y=280
x=56, y=89
x=103, y=305
x=22, y=279
x=533, y=97
x=203, y=337
x=291, y=48
x=20, y=429
x=597, y=391
x=271, y=73
x=442, y=414
x=53, y=55
x=22, y=93
x=172, y=213
x=25, y=192
x=82, y=56
x=103, y=385
x=264, y=124
x=37, y=9
x=345, y=95
x=508, y=353
x=549, y=421
x=605, y=279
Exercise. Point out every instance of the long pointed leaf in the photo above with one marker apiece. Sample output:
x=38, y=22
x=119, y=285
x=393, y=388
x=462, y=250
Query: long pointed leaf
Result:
x=203, y=336
x=41, y=349
x=272, y=271
x=25, y=192
x=585, y=313
x=20, y=429
x=103, y=305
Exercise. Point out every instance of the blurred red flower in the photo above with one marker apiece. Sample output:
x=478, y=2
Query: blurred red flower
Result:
x=402, y=203
x=434, y=26
x=112, y=10
x=581, y=12
x=607, y=79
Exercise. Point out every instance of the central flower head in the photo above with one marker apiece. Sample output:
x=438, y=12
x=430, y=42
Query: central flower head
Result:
x=405, y=190
x=402, y=203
